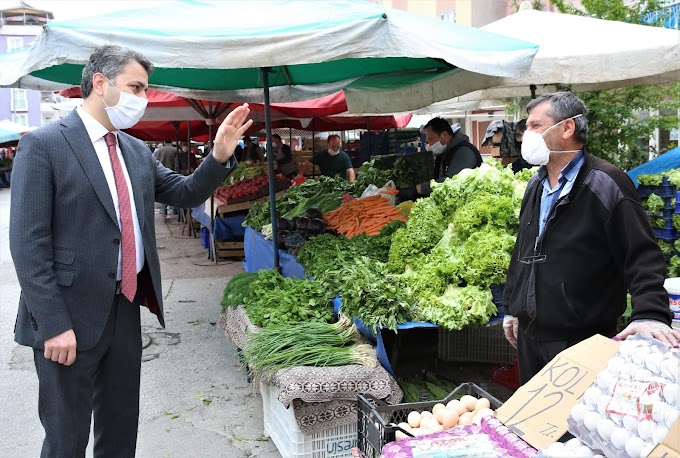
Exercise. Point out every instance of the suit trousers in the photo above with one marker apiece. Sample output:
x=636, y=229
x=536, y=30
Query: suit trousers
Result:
x=534, y=354
x=103, y=382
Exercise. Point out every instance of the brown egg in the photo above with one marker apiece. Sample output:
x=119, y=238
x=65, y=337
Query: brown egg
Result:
x=469, y=402
x=465, y=419
x=482, y=403
x=450, y=419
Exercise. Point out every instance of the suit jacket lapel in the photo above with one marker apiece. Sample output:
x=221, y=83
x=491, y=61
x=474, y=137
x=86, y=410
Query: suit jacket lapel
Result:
x=76, y=135
x=135, y=173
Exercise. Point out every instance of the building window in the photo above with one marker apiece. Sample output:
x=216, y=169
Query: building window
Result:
x=19, y=100
x=20, y=118
x=449, y=16
x=14, y=43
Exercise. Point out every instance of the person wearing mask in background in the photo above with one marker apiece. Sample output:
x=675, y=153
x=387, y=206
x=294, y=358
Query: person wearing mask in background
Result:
x=333, y=162
x=253, y=152
x=584, y=242
x=166, y=155
x=284, y=158
x=186, y=159
x=83, y=244
x=452, y=153
x=520, y=163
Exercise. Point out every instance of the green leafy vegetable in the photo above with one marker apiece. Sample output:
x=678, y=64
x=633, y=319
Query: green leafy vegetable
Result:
x=236, y=289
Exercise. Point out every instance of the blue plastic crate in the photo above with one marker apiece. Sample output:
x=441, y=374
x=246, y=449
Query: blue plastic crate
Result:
x=665, y=213
x=668, y=223
x=665, y=190
x=665, y=234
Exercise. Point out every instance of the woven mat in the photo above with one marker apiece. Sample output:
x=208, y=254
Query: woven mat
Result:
x=326, y=397
x=238, y=325
x=322, y=397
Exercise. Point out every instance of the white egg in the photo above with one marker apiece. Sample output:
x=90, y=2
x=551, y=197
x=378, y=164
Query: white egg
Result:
x=616, y=418
x=627, y=348
x=653, y=360
x=659, y=434
x=670, y=370
x=603, y=379
x=605, y=428
x=642, y=375
x=638, y=358
x=627, y=370
x=630, y=423
x=613, y=383
x=602, y=403
x=573, y=444
x=619, y=438
x=634, y=447
x=591, y=396
x=671, y=416
x=645, y=429
x=614, y=365
x=671, y=392
x=578, y=412
x=646, y=450
x=659, y=411
x=590, y=420
x=583, y=452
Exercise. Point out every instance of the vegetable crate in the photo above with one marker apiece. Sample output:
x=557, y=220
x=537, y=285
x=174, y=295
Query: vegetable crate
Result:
x=665, y=190
x=229, y=249
x=477, y=344
x=378, y=420
x=280, y=425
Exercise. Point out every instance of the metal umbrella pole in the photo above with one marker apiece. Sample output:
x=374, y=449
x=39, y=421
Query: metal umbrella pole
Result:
x=212, y=251
x=270, y=164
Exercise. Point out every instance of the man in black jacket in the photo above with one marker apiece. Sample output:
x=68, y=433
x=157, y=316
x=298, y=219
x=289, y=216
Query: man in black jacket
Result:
x=452, y=153
x=584, y=242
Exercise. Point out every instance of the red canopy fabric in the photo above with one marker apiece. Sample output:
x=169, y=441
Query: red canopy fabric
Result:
x=323, y=106
x=310, y=115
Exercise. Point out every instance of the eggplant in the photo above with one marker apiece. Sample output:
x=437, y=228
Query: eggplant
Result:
x=316, y=226
x=284, y=224
x=312, y=213
x=301, y=223
x=281, y=239
x=294, y=241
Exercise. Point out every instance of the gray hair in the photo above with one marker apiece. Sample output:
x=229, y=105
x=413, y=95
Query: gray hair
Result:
x=110, y=61
x=564, y=105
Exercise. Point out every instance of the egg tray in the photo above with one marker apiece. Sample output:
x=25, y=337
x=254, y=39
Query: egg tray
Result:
x=641, y=381
x=378, y=420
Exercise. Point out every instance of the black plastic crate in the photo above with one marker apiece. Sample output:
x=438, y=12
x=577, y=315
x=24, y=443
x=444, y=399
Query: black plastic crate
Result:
x=378, y=420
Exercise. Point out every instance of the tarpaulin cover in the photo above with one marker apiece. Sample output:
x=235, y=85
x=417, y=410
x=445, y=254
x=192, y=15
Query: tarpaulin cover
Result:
x=666, y=161
x=259, y=254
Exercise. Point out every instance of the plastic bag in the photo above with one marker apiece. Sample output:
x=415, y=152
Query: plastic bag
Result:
x=373, y=190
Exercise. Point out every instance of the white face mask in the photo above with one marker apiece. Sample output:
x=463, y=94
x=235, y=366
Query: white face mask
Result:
x=333, y=152
x=128, y=111
x=534, y=149
x=436, y=148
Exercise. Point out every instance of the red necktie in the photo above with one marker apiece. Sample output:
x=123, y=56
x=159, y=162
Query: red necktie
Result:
x=128, y=280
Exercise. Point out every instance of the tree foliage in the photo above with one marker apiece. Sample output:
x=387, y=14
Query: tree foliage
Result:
x=623, y=120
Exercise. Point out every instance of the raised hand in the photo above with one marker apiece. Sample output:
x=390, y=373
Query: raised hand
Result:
x=230, y=132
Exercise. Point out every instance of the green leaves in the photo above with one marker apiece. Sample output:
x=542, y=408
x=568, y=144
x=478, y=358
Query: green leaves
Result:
x=275, y=300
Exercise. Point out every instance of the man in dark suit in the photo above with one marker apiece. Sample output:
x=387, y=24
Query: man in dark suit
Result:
x=83, y=243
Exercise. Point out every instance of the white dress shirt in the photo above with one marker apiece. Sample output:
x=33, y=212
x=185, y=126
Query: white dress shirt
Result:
x=96, y=132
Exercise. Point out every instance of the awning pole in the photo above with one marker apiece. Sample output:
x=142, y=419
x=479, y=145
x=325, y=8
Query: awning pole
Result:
x=211, y=231
x=270, y=162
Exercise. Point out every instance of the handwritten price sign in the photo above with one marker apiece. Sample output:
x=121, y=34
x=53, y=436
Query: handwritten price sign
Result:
x=538, y=411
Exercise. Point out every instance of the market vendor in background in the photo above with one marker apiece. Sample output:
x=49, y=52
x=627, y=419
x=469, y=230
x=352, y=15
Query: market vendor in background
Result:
x=284, y=158
x=452, y=152
x=584, y=242
x=252, y=151
x=186, y=164
x=333, y=162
